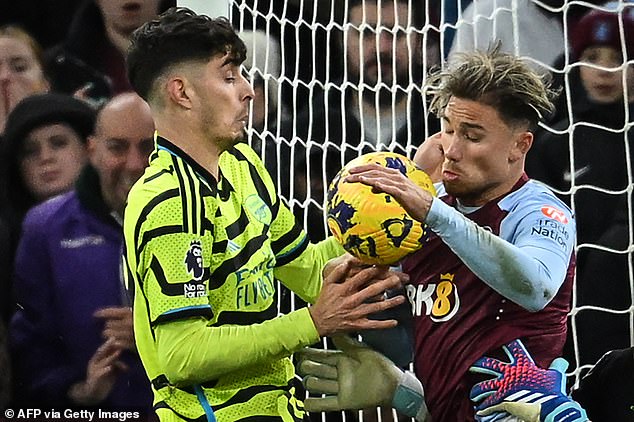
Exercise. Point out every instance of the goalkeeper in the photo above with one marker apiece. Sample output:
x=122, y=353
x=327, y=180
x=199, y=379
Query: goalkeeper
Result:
x=499, y=264
x=207, y=239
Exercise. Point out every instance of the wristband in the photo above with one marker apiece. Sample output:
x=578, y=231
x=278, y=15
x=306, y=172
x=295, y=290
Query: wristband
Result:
x=409, y=397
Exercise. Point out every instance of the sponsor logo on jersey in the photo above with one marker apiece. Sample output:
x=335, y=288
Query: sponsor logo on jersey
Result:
x=255, y=284
x=232, y=246
x=555, y=214
x=440, y=301
x=194, y=260
x=194, y=290
x=552, y=229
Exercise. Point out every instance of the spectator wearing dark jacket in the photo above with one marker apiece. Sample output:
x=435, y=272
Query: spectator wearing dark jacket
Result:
x=92, y=56
x=595, y=177
x=71, y=338
x=42, y=155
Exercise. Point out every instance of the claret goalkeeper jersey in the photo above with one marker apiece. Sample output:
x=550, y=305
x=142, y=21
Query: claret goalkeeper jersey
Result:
x=204, y=257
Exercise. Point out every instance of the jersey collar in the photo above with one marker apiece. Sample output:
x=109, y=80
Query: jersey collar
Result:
x=206, y=176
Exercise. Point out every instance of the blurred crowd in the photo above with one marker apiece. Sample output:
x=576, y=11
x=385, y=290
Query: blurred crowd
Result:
x=330, y=84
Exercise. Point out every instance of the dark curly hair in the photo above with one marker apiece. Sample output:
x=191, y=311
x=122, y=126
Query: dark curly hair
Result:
x=178, y=35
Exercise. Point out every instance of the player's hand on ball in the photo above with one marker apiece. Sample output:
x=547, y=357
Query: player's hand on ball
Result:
x=522, y=389
x=351, y=293
x=370, y=223
x=354, y=264
x=414, y=199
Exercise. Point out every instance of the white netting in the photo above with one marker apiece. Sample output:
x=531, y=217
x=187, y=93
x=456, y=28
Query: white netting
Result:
x=304, y=53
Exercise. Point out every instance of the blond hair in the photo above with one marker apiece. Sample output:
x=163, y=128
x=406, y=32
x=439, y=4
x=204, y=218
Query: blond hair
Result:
x=16, y=32
x=503, y=81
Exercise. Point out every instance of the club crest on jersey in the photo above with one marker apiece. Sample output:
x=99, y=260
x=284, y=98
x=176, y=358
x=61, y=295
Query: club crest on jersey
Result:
x=194, y=260
x=555, y=214
x=256, y=207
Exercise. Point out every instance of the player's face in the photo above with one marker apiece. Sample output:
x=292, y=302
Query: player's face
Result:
x=120, y=149
x=603, y=86
x=484, y=157
x=382, y=52
x=222, y=101
x=51, y=159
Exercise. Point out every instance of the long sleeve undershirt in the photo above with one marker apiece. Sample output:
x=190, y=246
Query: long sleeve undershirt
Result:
x=526, y=273
x=231, y=347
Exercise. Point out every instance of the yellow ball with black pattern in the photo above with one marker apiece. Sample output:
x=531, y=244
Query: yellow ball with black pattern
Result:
x=374, y=227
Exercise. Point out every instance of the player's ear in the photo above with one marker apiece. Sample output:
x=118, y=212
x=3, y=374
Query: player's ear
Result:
x=178, y=91
x=522, y=143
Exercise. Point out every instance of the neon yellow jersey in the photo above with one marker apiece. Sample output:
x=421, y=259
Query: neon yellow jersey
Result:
x=203, y=262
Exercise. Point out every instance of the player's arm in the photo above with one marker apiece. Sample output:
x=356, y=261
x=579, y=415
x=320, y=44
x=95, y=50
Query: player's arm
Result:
x=193, y=351
x=528, y=271
x=430, y=156
x=303, y=273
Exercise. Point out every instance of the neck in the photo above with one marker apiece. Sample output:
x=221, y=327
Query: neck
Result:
x=205, y=152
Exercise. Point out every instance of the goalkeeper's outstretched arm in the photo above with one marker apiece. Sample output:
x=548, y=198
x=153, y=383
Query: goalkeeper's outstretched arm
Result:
x=357, y=377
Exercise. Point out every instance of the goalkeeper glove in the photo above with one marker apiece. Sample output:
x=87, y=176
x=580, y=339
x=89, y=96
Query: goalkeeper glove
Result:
x=357, y=377
x=524, y=390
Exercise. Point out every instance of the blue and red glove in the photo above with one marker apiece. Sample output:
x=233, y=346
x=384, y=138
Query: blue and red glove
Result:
x=522, y=389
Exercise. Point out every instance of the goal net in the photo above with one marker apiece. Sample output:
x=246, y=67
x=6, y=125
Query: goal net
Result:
x=325, y=95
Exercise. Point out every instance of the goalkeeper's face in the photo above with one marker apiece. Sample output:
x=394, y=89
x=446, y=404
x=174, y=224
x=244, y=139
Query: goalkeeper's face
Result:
x=377, y=50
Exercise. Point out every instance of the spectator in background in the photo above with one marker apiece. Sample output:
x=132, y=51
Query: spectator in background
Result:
x=378, y=104
x=538, y=34
x=607, y=391
x=92, y=56
x=72, y=338
x=6, y=263
x=42, y=155
x=46, y=20
x=597, y=97
x=600, y=160
x=263, y=62
x=21, y=69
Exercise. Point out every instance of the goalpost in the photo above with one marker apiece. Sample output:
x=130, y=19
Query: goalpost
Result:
x=298, y=54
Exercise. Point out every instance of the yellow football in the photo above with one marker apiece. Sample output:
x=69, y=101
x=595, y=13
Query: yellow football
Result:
x=374, y=227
